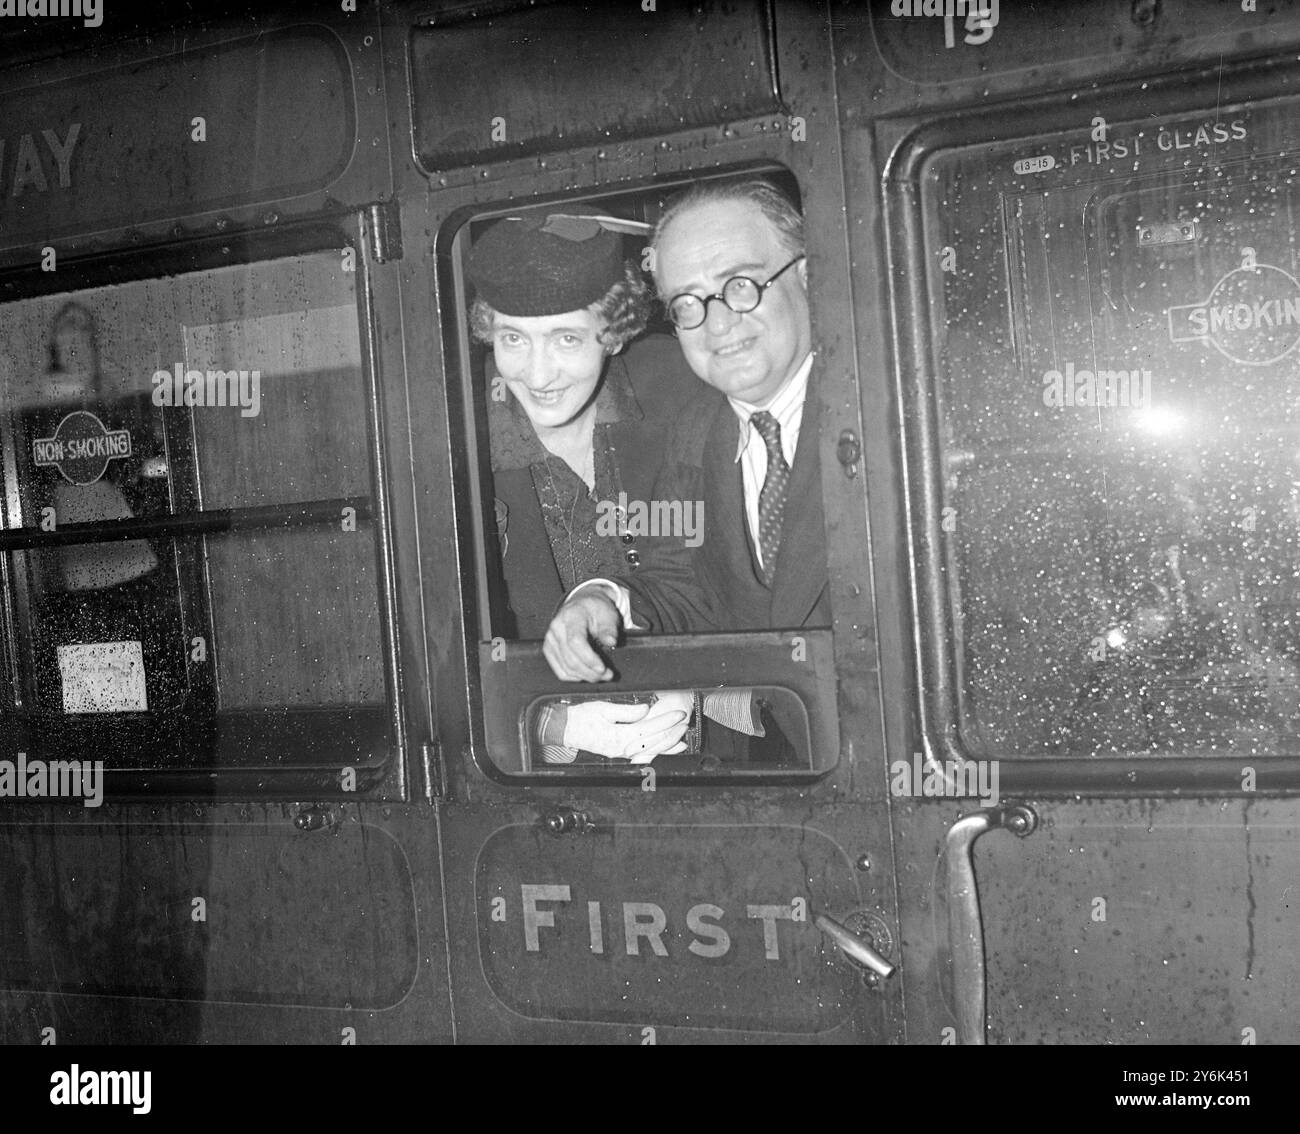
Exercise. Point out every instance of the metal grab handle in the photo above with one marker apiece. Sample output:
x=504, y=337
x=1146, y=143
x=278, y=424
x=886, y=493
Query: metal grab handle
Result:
x=853, y=945
x=965, y=930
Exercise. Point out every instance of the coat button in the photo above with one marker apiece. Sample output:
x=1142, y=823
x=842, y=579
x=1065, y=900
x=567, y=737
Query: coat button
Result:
x=627, y=537
x=634, y=559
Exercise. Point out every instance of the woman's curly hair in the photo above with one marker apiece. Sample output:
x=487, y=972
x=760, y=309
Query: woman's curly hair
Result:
x=624, y=309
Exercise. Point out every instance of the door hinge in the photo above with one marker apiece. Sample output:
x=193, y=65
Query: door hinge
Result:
x=384, y=231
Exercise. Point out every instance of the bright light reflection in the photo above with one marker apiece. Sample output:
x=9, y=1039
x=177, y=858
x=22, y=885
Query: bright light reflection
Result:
x=1159, y=421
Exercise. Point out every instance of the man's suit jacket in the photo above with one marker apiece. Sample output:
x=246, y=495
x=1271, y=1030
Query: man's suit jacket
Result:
x=718, y=585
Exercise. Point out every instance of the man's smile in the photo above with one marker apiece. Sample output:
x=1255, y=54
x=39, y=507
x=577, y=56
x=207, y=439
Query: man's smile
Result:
x=732, y=349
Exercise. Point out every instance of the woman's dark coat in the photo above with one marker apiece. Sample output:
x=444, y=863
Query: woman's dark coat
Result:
x=644, y=387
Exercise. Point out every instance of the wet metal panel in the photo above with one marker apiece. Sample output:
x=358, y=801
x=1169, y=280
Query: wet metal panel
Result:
x=943, y=41
x=1169, y=923
x=219, y=914
x=704, y=926
x=124, y=147
x=556, y=77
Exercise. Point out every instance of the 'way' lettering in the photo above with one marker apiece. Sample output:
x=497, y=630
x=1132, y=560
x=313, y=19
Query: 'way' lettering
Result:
x=35, y=163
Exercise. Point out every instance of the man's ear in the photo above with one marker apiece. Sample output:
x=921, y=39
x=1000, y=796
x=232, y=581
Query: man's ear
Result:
x=802, y=270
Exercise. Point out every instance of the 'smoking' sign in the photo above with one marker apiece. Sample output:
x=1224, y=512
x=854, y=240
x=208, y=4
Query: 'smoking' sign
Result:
x=81, y=448
x=1252, y=316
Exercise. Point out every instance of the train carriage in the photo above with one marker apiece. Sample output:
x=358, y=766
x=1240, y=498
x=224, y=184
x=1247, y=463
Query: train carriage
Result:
x=268, y=767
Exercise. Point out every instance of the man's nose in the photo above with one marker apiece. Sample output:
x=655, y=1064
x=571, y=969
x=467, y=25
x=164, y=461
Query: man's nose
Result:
x=719, y=318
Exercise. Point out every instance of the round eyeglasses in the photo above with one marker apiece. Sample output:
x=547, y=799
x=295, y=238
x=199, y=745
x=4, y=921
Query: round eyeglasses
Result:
x=740, y=294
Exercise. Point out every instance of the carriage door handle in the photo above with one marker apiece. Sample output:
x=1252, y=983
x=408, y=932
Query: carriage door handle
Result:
x=853, y=946
x=965, y=931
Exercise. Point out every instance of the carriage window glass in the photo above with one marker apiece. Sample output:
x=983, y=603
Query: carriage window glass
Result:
x=551, y=516
x=1115, y=331
x=190, y=573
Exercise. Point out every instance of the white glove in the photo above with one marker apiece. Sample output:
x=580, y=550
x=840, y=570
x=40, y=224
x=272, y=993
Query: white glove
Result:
x=637, y=733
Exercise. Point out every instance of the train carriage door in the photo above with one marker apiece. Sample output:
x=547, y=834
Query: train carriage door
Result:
x=204, y=622
x=740, y=889
x=1102, y=441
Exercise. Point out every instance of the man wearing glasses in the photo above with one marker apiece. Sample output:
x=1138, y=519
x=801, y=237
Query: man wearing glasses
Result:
x=730, y=265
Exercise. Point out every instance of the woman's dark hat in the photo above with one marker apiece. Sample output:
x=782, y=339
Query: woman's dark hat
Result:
x=549, y=263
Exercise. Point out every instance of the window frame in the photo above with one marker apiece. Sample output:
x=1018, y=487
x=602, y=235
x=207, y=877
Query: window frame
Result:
x=383, y=774
x=934, y=636
x=658, y=658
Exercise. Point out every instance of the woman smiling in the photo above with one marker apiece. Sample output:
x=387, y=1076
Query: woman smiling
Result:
x=577, y=418
x=576, y=415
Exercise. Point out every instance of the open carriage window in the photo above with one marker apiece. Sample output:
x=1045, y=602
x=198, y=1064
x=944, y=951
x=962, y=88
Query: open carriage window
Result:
x=1115, y=331
x=577, y=393
x=188, y=553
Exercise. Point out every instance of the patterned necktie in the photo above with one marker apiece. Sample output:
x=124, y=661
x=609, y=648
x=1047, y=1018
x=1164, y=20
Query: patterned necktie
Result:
x=771, y=501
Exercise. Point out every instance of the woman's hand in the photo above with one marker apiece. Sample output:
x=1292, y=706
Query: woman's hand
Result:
x=637, y=733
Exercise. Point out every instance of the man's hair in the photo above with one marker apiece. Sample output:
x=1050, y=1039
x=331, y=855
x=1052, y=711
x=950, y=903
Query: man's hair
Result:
x=625, y=310
x=772, y=202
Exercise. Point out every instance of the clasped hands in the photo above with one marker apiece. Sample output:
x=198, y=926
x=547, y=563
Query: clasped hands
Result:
x=636, y=732
x=633, y=732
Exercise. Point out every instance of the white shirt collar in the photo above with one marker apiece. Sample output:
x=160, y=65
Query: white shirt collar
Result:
x=780, y=405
